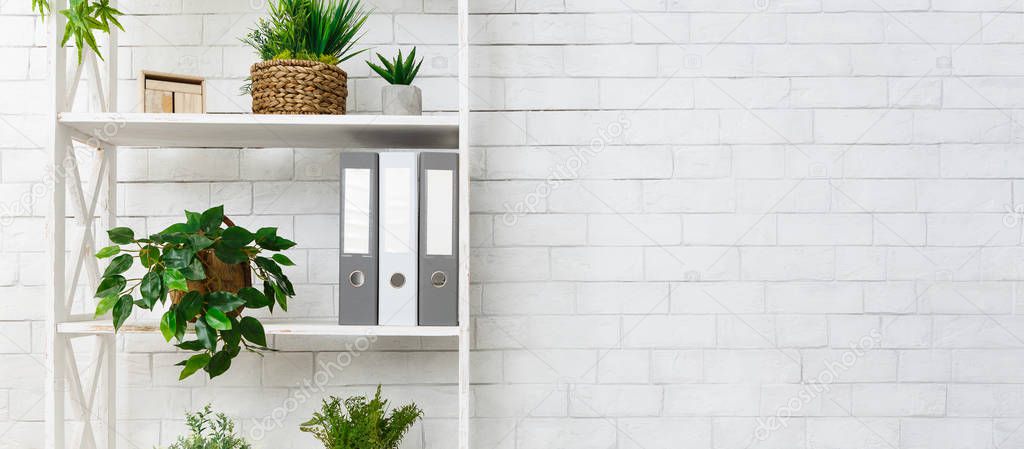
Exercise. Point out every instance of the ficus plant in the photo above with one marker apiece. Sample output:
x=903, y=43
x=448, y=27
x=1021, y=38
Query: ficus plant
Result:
x=398, y=71
x=84, y=18
x=173, y=257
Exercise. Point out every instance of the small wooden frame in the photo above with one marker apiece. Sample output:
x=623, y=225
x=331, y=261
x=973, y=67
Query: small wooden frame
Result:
x=170, y=93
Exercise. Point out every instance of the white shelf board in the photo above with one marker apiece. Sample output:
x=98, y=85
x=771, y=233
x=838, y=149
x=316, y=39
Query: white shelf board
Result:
x=325, y=327
x=428, y=132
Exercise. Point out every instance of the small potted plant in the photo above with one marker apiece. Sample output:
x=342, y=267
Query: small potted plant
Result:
x=362, y=423
x=209, y=431
x=399, y=97
x=300, y=47
x=206, y=270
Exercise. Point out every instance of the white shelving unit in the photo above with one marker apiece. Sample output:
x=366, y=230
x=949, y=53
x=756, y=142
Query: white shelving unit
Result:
x=95, y=402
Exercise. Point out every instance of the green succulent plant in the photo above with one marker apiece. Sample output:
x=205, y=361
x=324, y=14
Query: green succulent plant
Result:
x=398, y=71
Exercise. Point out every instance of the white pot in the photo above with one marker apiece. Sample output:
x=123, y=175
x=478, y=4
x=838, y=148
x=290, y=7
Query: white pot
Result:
x=401, y=100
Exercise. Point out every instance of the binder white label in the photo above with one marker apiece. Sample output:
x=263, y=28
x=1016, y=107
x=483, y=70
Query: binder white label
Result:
x=357, y=211
x=439, y=212
x=396, y=197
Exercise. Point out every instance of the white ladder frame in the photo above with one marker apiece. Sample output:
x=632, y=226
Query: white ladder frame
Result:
x=100, y=204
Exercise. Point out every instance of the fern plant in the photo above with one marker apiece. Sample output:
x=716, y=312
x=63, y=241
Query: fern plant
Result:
x=84, y=18
x=398, y=71
x=314, y=30
x=208, y=430
x=361, y=423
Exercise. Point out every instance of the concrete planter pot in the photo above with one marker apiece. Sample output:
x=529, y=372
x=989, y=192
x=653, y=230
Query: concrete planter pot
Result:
x=401, y=100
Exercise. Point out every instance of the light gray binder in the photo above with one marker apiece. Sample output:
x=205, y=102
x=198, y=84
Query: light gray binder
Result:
x=357, y=295
x=439, y=239
x=399, y=234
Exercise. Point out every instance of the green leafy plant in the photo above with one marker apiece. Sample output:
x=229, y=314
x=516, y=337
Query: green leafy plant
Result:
x=398, y=71
x=314, y=30
x=362, y=423
x=173, y=257
x=209, y=431
x=84, y=18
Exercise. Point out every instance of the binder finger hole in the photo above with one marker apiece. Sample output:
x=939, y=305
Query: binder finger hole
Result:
x=438, y=279
x=357, y=278
x=397, y=280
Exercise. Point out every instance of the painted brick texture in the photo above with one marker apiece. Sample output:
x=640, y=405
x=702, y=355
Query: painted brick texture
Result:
x=696, y=223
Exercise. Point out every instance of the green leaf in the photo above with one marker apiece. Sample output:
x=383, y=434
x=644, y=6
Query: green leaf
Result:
x=236, y=237
x=122, y=310
x=217, y=320
x=194, y=271
x=230, y=255
x=190, y=305
x=254, y=299
x=220, y=363
x=206, y=335
x=269, y=265
x=149, y=255
x=111, y=285
x=121, y=235
x=264, y=233
x=193, y=220
x=191, y=345
x=199, y=242
x=193, y=364
x=168, y=325
x=212, y=218
x=118, y=265
x=178, y=258
x=268, y=291
x=152, y=288
x=233, y=336
x=224, y=301
x=105, y=305
x=282, y=299
x=108, y=251
x=283, y=260
x=179, y=229
x=253, y=331
x=181, y=323
x=276, y=243
x=174, y=280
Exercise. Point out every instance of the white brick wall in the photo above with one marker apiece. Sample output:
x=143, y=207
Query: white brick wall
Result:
x=696, y=223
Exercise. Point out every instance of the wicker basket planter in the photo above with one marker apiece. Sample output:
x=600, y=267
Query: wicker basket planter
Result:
x=219, y=276
x=291, y=86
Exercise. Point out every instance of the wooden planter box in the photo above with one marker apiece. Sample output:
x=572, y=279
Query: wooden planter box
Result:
x=169, y=93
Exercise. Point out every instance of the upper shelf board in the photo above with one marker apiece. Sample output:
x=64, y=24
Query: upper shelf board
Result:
x=426, y=132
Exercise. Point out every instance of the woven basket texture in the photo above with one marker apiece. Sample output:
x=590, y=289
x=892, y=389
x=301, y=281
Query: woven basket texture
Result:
x=292, y=86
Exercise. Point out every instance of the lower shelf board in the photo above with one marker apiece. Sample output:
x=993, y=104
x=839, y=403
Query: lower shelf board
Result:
x=273, y=327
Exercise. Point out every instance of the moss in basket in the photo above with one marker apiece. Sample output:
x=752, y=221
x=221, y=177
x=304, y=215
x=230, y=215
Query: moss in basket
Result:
x=170, y=258
x=314, y=30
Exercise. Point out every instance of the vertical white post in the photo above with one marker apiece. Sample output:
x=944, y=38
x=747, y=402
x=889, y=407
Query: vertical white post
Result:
x=110, y=221
x=57, y=311
x=464, y=159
